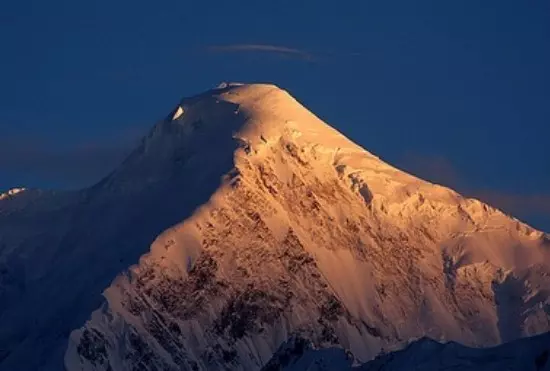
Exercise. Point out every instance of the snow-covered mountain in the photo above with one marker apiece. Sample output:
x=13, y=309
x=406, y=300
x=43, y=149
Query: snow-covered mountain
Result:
x=266, y=223
x=527, y=354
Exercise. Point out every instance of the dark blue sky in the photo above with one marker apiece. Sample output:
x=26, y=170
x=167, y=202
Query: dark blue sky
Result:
x=457, y=92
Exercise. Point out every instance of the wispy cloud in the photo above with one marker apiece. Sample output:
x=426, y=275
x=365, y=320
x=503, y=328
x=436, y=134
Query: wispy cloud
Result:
x=522, y=204
x=440, y=170
x=25, y=160
x=434, y=168
x=262, y=48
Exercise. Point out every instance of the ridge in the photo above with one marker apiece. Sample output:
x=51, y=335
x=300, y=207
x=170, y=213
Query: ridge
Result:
x=242, y=219
x=306, y=232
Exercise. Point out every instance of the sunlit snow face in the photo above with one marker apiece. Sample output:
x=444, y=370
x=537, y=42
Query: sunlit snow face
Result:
x=178, y=113
x=11, y=192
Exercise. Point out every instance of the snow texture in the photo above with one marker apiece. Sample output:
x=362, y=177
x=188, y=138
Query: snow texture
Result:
x=266, y=224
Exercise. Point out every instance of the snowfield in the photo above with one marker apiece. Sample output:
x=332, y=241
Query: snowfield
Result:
x=266, y=224
x=298, y=354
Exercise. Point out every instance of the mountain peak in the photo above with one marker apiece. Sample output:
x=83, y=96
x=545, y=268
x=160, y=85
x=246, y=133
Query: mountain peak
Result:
x=266, y=222
x=262, y=112
x=223, y=124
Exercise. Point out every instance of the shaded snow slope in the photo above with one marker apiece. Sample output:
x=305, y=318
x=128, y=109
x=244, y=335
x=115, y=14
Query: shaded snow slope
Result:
x=531, y=354
x=60, y=250
x=307, y=234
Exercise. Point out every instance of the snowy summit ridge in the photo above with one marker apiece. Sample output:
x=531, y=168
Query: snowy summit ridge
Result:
x=11, y=192
x=266, y=224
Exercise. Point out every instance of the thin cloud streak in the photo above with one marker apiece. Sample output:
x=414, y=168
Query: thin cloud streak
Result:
x=76, y=165
x=440, y=170
x=520, y=203
x=263, y=48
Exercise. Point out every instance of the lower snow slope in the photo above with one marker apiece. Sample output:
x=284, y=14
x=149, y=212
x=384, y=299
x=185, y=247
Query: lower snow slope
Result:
x=531, y=354
x=60, y=250
x=308, y=233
